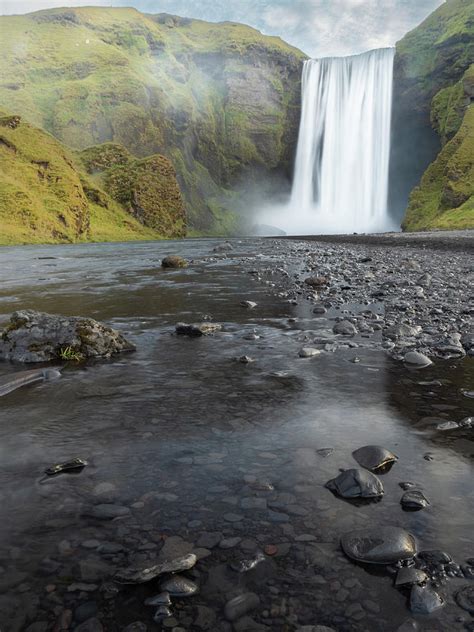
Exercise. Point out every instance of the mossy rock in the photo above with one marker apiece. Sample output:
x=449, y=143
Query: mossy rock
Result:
x=149, y=190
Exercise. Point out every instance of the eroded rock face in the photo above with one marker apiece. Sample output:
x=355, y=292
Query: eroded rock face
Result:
x=32, y=336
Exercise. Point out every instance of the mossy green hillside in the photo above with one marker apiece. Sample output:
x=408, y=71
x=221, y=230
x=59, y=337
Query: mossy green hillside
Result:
x=432, y=118
x=217, y=99
x=445, y=197
x=46, y=196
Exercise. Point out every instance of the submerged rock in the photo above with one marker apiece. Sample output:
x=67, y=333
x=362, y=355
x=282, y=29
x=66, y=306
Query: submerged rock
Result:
x=197, y=329
x=225, y=247
x=32, y=336
x=162, y=599
x=414, y=500
x=248, y=304
x=424, y=600
x=179, y=586
x=308, y=352
x=75, y=464
x=162, y=612
x=240, y=605
x=345, y=328
x=356, y=483
x=23, y=378
x=140, y=575
x=416, y=359
x=380, y=545
x=243, y=566
x=465, y=598
x=374, y=457
x=173, y=261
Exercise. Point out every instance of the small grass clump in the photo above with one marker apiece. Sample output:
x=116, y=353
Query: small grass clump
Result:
x=70, y=354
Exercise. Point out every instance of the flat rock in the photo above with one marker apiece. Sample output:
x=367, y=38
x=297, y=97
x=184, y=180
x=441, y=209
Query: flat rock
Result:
x=32, y=336
x=140, y=575
x=408, y=575
x=356, y=483
x=107, y=511
x=197, y=329
x=380, y=545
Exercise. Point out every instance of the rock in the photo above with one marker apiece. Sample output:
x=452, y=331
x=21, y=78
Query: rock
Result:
x=197, y=329
x=408, y=626
x=75, y=464
x=23, y=378
x=248, y=304
x=416, y=359
x=243, y=566
x=91, y=625
x=448, y=425
x=315, y=628
x=32, y=336
x=173, y=261
x=85, y=611
x=414, y=500
x=319, y=310
x=344, y=328
x=308, y=352
x=317, y=281
x=224, y=247
x=136, y=626
x=435, y=557
x=107, y=511
x=240, y=605
x=410, y=575
x=356, y=483
x=179, y=586
x=205, y=619
x=465, y=598
x=162, y=599
x=245, y=359
x=162, y=612
x=144, y=574
x=375, y=458
x=424, y=600
x=380, y=545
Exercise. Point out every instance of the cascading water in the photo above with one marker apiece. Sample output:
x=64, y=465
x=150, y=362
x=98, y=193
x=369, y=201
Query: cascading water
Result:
x=340, y=182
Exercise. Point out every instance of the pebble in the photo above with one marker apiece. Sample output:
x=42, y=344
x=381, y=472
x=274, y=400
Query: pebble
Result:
x=308, y=352
x=179, y=586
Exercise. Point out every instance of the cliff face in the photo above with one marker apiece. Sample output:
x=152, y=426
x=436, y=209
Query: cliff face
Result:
x=432, y=121
x=46, y=196
x=221, y=101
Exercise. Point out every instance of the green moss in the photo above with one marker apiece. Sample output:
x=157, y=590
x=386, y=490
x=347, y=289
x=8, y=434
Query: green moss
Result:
x=445, y=197
x=101, y=157
x=46, y=198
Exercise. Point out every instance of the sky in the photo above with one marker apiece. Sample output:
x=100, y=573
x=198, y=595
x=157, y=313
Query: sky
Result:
x=320, y=28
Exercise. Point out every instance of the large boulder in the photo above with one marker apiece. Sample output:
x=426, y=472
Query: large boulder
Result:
x=32, y=336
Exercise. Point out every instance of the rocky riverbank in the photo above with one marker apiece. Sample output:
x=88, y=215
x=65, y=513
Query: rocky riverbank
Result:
x=223, y=477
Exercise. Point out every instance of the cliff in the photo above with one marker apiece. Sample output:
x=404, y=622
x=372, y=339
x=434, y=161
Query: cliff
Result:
x=221, y=101
x=433, y=121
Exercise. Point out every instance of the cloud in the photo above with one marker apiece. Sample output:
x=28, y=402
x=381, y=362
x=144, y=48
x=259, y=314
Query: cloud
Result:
x=318, y=27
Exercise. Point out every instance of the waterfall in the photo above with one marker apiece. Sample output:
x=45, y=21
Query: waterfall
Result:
x=341, y=171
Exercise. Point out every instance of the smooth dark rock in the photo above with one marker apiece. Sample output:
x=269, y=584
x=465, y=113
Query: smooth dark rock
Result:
x=374, y=458
x=424, y=600
x=345, y=328
x=174, y=261
x=144, y=574
x=240, y=605
x=414, y=500
x=197, y=329
x=178, y=586
x=356, y=483
x=380, y=545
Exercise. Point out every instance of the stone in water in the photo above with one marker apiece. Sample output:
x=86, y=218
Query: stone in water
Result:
x=76, y=464
x=414, y=500
x=381, y=545
x=178, y=586
x=375, y=458
x=424, y=600
x=356, y=483
x=141, y=575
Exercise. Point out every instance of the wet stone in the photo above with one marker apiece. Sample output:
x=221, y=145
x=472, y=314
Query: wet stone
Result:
x=345, y=328
x=108, y=511
x=355, y=483
x=465, y=598
x=140, y=575
x=178, y=586
x=410, y=575
x=424, y=600
x=375, y=458
x=162, y=599
x=414, y=500
x=381, y=545
x=240, y=605
x=416, y=359
x=308, y=352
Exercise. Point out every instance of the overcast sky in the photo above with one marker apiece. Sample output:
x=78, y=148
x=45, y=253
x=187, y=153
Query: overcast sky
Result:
x=318, y=27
